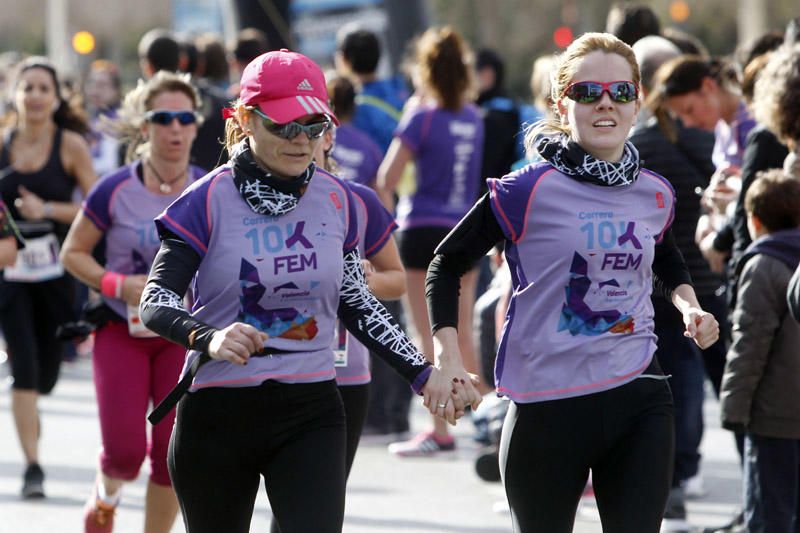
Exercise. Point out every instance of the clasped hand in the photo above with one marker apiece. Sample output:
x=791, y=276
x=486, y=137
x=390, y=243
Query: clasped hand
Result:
x=450, y=388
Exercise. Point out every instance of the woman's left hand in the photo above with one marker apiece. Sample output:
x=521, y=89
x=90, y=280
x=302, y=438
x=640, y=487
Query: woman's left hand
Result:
x=30, y=206
x=450, y=389
x=437, y=393
x=701, y=326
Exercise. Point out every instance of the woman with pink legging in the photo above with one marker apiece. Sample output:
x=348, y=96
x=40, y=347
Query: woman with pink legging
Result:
x=133, y=366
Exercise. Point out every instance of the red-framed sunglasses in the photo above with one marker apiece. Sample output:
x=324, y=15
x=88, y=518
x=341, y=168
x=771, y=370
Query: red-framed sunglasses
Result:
x=588, y=92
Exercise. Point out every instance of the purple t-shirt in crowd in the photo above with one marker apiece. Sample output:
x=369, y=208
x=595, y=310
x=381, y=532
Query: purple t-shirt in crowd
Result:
x=282, y=275
x=730, y=139
x=357, y=156
x=580, y=255
x=448, y=150
x=375, y=227
x=123, y=209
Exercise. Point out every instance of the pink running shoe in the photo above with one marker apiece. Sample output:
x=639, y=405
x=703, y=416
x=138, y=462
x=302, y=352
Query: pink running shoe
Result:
x=423, y=445
x=98, y=516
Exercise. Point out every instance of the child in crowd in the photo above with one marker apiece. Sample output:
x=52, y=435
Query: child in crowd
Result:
x=760, y=385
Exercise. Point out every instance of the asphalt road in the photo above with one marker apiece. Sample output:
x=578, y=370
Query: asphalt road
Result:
x=385, y=494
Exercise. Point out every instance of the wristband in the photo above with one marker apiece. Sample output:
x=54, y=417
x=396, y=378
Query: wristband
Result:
x=111, y=284
x=47, y=210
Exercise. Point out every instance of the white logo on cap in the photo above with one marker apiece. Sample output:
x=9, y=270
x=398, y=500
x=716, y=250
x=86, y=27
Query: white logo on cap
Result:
x=304, y=86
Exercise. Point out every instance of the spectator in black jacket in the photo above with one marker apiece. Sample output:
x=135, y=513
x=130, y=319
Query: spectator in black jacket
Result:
x=687, y=165
x=500, y=117
x=631, y=22
x=158, y=50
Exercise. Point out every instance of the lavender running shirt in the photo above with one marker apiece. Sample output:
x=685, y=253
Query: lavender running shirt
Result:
x=122, y=208
x=448, y=150
x=281, y=275
x=357, y=156
x=580, y=318
x=375, y=227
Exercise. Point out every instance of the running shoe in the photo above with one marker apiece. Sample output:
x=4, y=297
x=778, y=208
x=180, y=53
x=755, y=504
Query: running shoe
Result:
x=487, y=465
x=98, y=516
x=676, y=504
x=423, y=445
x=33, y=482
x=736, y=525
x=695, y=488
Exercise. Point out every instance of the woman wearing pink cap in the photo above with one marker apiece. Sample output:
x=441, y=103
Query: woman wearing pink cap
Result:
x=260, y=370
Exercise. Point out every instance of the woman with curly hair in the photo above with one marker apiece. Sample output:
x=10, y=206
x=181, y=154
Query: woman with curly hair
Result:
x=776, y=102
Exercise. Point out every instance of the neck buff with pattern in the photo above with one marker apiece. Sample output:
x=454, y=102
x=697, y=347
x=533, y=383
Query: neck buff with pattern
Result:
x=264, y=192
x=568, y=157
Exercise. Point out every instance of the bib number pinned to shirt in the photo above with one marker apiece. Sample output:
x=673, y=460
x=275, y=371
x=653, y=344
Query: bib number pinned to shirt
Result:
x=38, y=261
x=135, y=326
x=339, y=345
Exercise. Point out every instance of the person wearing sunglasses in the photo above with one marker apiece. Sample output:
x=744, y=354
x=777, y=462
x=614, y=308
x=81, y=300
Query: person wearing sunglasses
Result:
x=269, y=243
x=132, y=366
x=586, y=234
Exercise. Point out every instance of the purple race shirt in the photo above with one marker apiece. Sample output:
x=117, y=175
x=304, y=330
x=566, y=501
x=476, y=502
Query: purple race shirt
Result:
x=580, y=255
x=375, y=227
x=282, y=275
x=448, y=150
x=730, y=139
x=358, y=157
x=123, y=209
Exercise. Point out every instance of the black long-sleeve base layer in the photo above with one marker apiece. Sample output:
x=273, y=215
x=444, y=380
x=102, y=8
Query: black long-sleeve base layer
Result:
x=479, y=231
x=162, y=310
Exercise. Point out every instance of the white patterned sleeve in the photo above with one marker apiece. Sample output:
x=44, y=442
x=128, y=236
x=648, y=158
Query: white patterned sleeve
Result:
x=370, y=322
x=161, y=306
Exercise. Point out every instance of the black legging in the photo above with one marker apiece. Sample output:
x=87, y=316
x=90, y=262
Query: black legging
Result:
x=29, y=316
x=624, y=435
x=356, y=401
x=226, y=438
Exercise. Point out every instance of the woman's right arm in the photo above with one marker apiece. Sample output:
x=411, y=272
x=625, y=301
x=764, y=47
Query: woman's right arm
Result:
x=475, y=235
x=10, y=238
x=391, y=170
x=162, y=310
x=470, y=240
x=76, y=255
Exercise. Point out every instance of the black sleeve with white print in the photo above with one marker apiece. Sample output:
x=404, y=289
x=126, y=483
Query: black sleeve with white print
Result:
x=161, y=306
x=369, y=321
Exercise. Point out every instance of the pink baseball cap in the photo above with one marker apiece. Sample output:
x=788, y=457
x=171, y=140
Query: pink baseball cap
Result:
x=285, y=86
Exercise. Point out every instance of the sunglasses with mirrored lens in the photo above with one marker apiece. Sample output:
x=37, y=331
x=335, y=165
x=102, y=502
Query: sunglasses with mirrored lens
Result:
x=165, y=118
x=588, y=92
x=290, y=130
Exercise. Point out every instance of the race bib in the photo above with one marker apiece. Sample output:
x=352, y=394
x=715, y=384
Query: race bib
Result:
x=339, y=345
x=135, y=326
x=38, y=261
